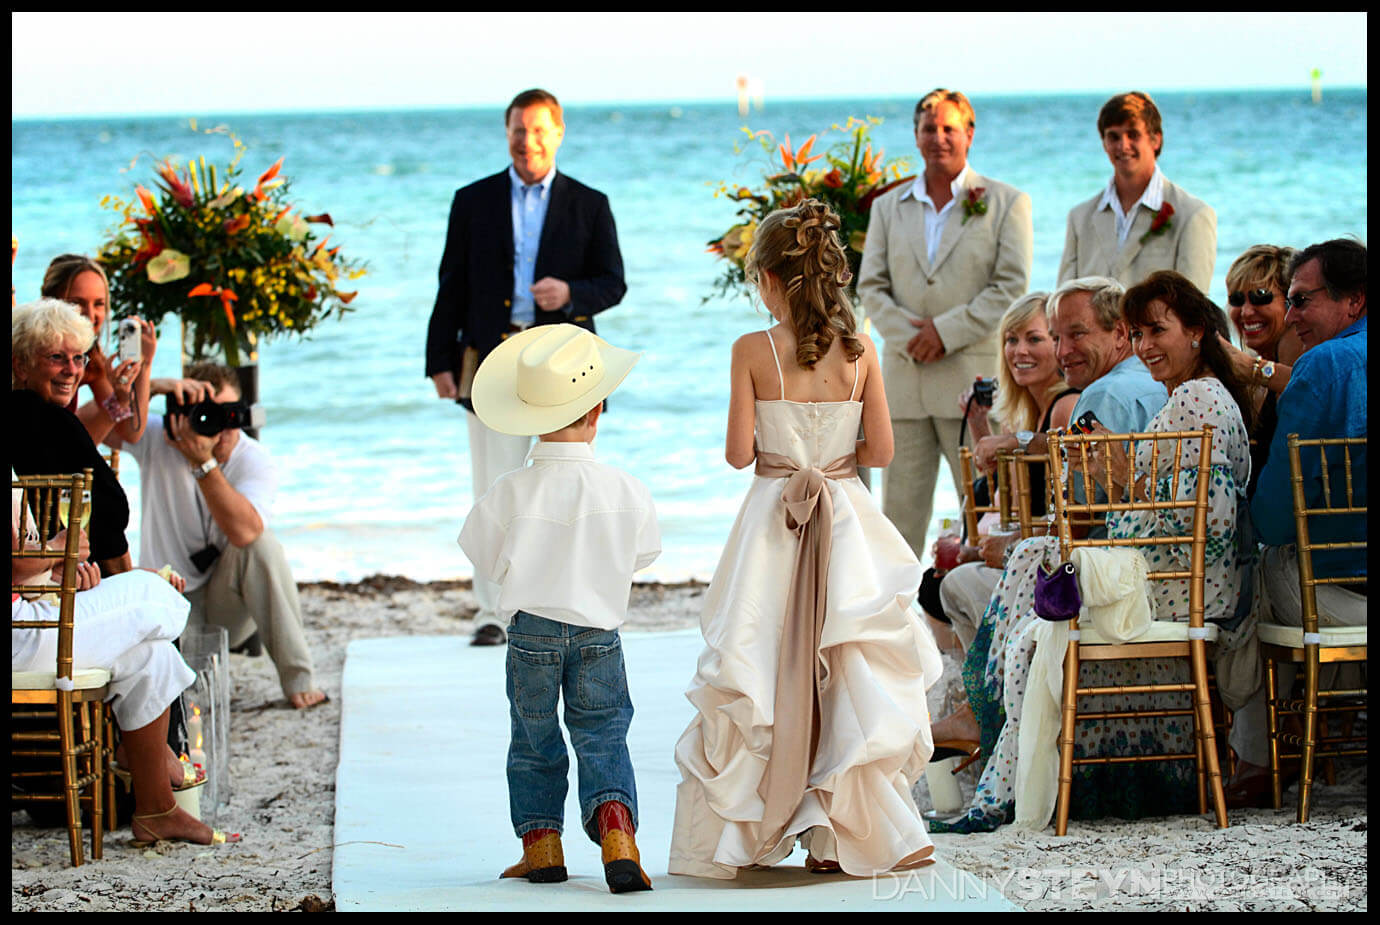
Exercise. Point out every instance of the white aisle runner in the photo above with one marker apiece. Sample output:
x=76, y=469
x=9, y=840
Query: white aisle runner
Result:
x=421, y=812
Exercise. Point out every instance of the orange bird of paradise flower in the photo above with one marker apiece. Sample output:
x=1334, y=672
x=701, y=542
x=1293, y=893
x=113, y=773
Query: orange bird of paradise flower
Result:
x=146, y=198
x=794, y=162
x=267, y=175
x=180, y=190
x=226, y=297
x=871, y=163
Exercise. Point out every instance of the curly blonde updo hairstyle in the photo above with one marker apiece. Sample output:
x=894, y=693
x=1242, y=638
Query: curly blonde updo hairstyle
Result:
x=800, y=246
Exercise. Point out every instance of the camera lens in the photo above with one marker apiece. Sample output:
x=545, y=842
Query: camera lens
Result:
x=207, y=418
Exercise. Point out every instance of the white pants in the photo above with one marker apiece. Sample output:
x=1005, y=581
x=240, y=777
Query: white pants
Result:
x=125, y=625
x=1278, y=600
x=965, y=592
x=491, y=455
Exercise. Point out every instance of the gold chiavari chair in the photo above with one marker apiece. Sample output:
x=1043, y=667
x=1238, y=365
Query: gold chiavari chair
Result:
x=1337, y=494
x=1024, y=486
x=74, y=701
x=112, y=458
x=1165, y=638
x=1001, y=500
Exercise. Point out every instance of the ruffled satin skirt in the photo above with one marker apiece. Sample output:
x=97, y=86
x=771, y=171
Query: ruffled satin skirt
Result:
x=877, y=661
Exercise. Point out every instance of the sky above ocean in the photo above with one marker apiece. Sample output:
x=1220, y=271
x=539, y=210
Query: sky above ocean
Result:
x=195, y=62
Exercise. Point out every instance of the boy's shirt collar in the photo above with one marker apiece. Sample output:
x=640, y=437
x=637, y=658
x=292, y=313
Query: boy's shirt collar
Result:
x=551, y=449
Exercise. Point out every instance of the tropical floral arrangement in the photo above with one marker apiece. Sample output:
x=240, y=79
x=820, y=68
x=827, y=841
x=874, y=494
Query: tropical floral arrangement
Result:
x=849, y=179
x=237, y=264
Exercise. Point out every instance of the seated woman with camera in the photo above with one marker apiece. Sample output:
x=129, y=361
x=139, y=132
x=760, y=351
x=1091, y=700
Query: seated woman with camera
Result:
x=120, y=383
x=1030, y=397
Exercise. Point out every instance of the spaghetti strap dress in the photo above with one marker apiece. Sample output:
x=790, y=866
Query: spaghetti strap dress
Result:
x=811, y=723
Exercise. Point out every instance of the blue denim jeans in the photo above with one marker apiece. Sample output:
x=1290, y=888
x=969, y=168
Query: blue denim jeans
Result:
x=548, y=660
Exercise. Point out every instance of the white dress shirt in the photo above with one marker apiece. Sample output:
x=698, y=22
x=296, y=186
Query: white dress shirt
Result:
x=1152, y=199
x=934, y=218
x=563, y=536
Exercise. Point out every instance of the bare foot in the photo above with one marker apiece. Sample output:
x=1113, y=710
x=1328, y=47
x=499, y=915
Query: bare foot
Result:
x=174, y=825
x=959, y=726
x=305, y=699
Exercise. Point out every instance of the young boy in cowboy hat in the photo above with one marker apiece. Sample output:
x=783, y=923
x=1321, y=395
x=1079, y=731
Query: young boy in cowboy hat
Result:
x=562, y=537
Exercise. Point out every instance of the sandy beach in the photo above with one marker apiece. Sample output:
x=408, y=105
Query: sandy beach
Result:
x=283, y=801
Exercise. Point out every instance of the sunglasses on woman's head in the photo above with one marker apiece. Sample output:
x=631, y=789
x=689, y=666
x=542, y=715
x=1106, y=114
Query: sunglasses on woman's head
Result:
x=1258, y=297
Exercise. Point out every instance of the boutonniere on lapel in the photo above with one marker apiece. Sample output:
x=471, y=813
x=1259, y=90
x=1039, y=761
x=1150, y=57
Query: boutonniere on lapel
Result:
x=1160, y=223
x=975, y=203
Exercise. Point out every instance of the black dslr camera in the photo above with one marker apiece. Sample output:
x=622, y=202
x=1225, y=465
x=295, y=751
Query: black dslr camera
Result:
x=984, y=390
x=209, y=418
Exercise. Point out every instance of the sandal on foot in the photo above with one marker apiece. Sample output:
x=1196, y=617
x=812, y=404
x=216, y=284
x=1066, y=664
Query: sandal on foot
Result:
x=816, y=866
x=191, y=775
x=217, y=837
x=957, y=748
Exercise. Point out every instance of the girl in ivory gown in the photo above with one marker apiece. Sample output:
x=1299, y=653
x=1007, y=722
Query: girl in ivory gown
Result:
x=811, y=721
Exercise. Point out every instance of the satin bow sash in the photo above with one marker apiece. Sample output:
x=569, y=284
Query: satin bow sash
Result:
x=799, y=673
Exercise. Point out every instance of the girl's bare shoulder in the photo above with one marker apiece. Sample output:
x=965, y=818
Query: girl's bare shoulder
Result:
x=755, y=344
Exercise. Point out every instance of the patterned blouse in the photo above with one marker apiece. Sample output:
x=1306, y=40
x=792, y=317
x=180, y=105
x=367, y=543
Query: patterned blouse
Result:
x=1190, y=406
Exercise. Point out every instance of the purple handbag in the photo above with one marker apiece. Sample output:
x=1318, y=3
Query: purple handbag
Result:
x=1057, y=597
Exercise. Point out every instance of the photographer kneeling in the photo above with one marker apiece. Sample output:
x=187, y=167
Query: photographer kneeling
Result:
x=206, y=492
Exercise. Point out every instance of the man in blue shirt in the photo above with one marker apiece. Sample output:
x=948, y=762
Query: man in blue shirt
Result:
x=1326, y=397
x=1093, y=347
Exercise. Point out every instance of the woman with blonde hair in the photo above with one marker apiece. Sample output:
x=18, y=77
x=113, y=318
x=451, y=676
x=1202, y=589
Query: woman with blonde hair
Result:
x=810, y=720
x=1257, y=283
x=1031, y=397
x=119, y=389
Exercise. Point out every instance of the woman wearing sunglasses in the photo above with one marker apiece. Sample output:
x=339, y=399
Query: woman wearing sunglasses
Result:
x=1256, y=285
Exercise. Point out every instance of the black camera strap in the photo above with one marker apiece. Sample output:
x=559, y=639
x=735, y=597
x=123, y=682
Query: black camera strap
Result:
x=204, y=517
x=963, y=427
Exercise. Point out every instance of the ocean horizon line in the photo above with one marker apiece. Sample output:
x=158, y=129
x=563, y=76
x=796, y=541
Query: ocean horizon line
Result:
x=726, y=100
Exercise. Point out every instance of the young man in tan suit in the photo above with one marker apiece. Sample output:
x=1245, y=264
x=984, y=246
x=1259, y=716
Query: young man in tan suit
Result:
x=945, y=257
x=1141, y=222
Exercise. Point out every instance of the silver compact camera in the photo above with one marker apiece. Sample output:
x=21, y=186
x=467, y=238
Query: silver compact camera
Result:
x=128, y=338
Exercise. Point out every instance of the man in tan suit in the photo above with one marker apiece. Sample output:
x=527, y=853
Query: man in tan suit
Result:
x=945, y=257
x=1141, y=222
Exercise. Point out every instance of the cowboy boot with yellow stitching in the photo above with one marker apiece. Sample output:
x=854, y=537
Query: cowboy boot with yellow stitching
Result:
x=622, y=865
x=542, y=858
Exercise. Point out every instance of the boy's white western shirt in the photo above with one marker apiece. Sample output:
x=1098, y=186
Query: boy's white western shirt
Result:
x=563, y=536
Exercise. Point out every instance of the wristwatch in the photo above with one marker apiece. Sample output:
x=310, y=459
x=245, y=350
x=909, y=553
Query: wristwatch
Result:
x=200, y=472
x=1023, y=438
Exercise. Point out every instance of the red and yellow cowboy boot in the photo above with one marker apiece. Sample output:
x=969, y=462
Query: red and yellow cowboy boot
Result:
x=542, y=858
x=622, y=865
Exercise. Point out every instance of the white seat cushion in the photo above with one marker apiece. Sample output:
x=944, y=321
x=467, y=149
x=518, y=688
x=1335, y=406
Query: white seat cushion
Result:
x=1159, y=631
x=82, y=679
x=1292, y=636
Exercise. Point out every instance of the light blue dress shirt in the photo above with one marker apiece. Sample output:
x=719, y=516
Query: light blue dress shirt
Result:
x=529, y=205
x=1325, y=397
x=1125, y=399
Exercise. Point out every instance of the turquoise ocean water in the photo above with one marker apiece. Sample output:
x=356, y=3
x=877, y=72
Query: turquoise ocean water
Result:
x=373, y=466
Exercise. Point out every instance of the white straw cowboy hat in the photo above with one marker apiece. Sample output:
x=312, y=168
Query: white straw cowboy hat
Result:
x=545, y=378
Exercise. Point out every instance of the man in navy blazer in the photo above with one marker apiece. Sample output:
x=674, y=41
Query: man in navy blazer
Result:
x=526, y=246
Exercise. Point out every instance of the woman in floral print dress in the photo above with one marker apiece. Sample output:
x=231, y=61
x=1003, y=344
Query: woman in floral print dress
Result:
x=1174, y=328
